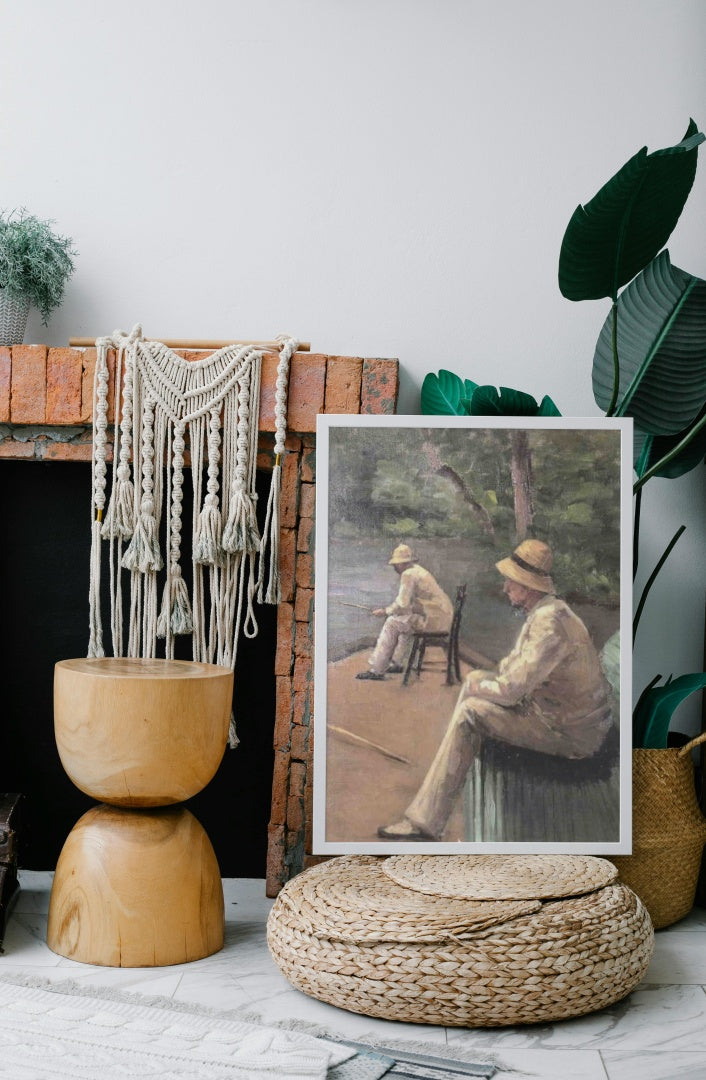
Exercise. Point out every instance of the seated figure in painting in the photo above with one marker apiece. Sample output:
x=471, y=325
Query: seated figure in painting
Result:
x=420, y=604
x=548, y=694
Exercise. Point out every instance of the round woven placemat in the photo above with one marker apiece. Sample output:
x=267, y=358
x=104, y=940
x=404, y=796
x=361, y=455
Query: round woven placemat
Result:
x=360, y=903
x=501, y=877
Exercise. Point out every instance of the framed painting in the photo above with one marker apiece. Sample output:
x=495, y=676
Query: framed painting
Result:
x=472, y=635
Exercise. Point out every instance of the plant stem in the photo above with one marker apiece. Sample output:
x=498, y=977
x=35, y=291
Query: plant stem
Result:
x=652, y=577
x=616, y=365
x=691, y=433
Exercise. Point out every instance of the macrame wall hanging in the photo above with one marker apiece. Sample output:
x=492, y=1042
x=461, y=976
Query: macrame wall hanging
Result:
x=214, y=404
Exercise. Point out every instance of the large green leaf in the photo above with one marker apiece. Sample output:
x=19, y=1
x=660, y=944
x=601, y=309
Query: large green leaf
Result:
x=654, y=710
x=649, y=450
x=445, y=394
x=610, y=239
x=661, y=350
x=490, y=401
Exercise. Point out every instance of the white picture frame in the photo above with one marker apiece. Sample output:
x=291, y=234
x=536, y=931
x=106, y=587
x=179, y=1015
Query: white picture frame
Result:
x=445, y=487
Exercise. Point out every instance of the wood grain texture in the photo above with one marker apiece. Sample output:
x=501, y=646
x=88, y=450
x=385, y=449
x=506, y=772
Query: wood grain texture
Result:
x=141, y=732
x=136, y=888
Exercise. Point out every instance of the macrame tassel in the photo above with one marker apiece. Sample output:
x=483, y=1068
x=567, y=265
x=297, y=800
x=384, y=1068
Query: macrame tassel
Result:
x=233, y=740
x=273, y=593
x=95, y=640
x=175, y=614
x=120, y=517
x=143, y=552
x=241, y=532
x=208, y=549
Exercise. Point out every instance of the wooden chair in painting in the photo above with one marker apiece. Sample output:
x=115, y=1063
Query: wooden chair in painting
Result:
x=443, y=639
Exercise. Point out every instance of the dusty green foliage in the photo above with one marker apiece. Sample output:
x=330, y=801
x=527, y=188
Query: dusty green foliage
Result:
x=35, y=263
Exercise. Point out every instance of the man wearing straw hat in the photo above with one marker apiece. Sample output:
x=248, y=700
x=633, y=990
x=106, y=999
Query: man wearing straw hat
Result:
x=548, y=694
x=420, y=604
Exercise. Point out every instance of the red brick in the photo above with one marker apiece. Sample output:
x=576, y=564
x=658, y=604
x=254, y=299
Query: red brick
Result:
x=305, y=571
x=307, y=382
x=308, y=810
x=297, y=779
x=300, y=738
x=283, y=712
x=302, y=674
x=303, y=642
x=28, y=399
x=295, y=818
x=64, y=378
x=307, y=500
x=292, y=444
x=380, y=386
x=5, y=374
x=88, y=372
x=304, y=605
x=302, y=708
x=343, y=381
x=280, y=785
x=53, y=451
x=289, y=499
x=287, y=562
x=275, y=860
x=285, y=644
x=308, y=468
x=305, y=535
x=12, y=448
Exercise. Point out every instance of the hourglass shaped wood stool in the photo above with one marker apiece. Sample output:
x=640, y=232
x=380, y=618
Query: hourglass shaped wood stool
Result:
x=137, y=883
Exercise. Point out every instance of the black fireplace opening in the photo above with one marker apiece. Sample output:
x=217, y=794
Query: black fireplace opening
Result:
x=44, y=561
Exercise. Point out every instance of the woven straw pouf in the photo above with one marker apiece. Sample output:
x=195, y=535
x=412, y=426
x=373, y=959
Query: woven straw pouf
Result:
x=376, y=936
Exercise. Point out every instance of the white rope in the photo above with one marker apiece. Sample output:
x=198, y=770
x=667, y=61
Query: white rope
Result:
x=98, y=465
x=160, y=400
x=273, y=592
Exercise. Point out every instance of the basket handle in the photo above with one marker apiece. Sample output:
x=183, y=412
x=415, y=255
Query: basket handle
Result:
x=690, y=745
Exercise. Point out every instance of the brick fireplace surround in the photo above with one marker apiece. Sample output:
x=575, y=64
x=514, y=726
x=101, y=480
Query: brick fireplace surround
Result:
x=45, y=415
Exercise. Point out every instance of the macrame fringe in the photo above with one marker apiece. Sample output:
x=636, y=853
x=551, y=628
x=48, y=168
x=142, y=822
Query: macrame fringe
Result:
x=120, y=518
x=161, y=401
x=95, y=640
x=208, y=542
x=241, y=532
x=233, y=740
x=273, y=593
x=175, y=615
x=142, y=553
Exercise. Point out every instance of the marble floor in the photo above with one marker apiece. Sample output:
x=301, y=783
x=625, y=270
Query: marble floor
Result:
x=658, y=1033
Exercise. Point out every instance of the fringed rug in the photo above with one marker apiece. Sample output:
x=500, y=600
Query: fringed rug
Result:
x=63, y=1031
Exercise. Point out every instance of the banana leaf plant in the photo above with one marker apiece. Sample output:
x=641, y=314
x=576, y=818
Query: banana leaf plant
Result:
x=650, y=359
x=446, y=394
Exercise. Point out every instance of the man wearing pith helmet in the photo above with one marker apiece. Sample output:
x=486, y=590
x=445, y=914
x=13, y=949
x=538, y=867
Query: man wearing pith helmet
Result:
x=420, y=604
x=548, y=694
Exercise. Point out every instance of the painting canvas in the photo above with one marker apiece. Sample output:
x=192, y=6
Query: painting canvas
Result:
x=472, y=635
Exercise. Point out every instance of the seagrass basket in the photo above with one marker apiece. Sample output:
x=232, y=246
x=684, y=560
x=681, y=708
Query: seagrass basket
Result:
x=668, y=833
x=350, y=934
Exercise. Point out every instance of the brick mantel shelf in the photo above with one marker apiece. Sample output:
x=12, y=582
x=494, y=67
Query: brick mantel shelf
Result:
x=46, y=399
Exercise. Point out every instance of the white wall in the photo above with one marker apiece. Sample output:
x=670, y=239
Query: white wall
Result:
x=382, y=177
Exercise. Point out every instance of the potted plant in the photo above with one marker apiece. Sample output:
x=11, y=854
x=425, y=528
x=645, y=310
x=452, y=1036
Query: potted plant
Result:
x=649, y=364
x=35, y=264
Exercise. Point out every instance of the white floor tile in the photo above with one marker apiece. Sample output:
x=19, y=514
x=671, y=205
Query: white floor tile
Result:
x=659, y=1032
x=677, y=1065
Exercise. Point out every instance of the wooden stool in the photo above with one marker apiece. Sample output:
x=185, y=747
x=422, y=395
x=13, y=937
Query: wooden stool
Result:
x=137, y=886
